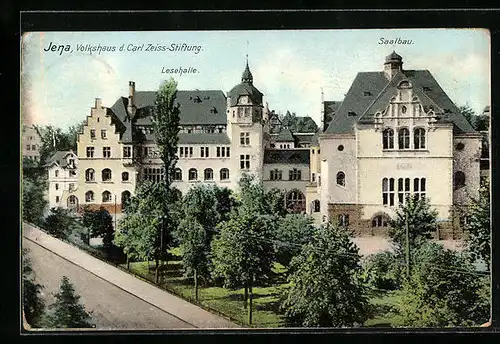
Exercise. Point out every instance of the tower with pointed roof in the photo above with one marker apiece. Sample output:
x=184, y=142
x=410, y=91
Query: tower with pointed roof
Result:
x=245, y=114
x=393, y=64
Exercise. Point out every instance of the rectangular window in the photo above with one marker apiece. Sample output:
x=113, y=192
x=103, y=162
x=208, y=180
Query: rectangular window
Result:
x=57, y=186
x=204, y=152
x=71, y=186
x=313, y=177
x=245, y=139
x=33, y=147
x=104, y=134
x=190, y=152
x=388, y=191
x=245, y=161
x=181, y=152
x=28, y=147
x=127, y=152
x=106, y=152
x=153, y=174
x=276, y=174
x=218, y=152
x=227, y=152
x=90, y=152
x=57, y=199
x=92, y=133
x=295, y=174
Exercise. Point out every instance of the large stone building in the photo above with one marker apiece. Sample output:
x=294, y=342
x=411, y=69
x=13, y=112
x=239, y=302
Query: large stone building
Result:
x=220, y=139
x=396, y=133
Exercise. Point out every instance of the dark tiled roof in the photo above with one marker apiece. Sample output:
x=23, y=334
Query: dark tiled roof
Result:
x=245, y=88
x=207, y=107
x=286, y=156
x=372, y=91
x=59, y=158
x=208, y=138
x=285, y=135
x=304, y=137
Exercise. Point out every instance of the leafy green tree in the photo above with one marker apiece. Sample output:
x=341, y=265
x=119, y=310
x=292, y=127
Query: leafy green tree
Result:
x=383, y=270
x=139, y=232
x=53, y=140
x=242, y=252
x=59, y=222
x=293, y=231
x=443, y=290
x=226, y=202
x=100, y=225
x=298, y=124
x=195, y=253
x=253, y=198
x=33, y=304
x=478, y=225
x=468, y=113
x=326, y=290
x=421, y=220
x=34, y=202
x=67, y=311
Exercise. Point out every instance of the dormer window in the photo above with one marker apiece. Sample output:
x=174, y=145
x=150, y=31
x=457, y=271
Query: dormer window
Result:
x=197, y=99
x=426, y=88
x=213, y=110
x=351, y=113
x=367, y=93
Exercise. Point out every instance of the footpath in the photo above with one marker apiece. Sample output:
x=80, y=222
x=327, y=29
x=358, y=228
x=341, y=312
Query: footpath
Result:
x=174, y=305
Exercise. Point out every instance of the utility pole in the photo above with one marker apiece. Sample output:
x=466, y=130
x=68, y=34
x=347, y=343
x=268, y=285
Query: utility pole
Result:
x=407, y=247
x=115, y=212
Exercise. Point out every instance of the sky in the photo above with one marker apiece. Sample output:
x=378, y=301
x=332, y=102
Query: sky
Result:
x=290, y=67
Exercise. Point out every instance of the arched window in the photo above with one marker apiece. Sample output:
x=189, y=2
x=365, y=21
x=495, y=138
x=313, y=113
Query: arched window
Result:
x=419, y=138
x=177, y=174
x=193, y=174
x=224, y=174
x=459, y=179
x=341, y=178
x=295, y=201
x=343, y=220
x=89, y=175
x=124, y=176
x=89, y=196
x=125, y=199
x=72, y=202
x=209, y=174
x=57, y=173
x=388, y=138
x=404, y=138
x=316, y=206
x=403, y=109
x=106, y=197
x=106, y=175
x=380, y=221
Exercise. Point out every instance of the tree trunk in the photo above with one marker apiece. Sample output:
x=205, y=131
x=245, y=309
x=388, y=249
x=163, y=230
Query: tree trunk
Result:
x=250, y=303
x=128, y=263
x=157, y=270
x=246, y=296
x=196, y=285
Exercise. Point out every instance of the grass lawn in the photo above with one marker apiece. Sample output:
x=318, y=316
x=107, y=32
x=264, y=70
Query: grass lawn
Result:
x=384, y=315
x=225, y=301
x=265, y=302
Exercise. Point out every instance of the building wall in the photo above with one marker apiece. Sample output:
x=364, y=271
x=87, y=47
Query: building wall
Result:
x=286, y=184
x=30, y=143
x=99, y=120
x=60, y=186
x=467, y=161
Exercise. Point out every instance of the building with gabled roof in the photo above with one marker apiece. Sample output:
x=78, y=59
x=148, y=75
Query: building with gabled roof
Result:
x=396, y=133
x=63, y=170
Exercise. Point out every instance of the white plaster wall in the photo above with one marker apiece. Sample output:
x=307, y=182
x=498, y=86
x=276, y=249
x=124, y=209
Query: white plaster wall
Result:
x=467, y=161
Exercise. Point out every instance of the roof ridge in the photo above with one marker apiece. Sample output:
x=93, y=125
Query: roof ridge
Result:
x=379, y=95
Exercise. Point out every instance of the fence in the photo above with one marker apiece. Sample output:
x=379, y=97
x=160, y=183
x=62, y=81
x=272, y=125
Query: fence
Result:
x=98, y=254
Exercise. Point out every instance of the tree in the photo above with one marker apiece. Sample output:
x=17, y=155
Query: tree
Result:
x=195, y=253
x=33, y=304
x=253, y=198
x=443, y=290
x=293, y=231
x=478, y=225
x=67, y=311
x=468, y=113
x=298, y=124
x=34, y=202
x=59, y=222
x=325, y=287
x=420, y=219
x=53, y=140
x=242, y=252
x=139, y=232
x=100, y=224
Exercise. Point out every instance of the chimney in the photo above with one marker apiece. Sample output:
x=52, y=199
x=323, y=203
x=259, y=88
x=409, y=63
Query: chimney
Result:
x=98, y=103
x=131, y=108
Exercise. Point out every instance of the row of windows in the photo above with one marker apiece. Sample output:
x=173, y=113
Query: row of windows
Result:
x=184, y=152
x=106, y=175
x=202, y=129
x=294, y=174
x=106, y=152
x=71, y=172
x=30, y=147
x=71, y=186
x=107, y=197
x=104, y=134
x=157, y=174
x=403, y=136
x=405, y=188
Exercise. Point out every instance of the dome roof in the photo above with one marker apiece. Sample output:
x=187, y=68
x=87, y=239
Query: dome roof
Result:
x=393, y=57
x=246, y=88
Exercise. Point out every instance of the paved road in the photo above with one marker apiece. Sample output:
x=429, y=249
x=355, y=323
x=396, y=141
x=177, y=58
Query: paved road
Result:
x=112, y=307
x=189, y=313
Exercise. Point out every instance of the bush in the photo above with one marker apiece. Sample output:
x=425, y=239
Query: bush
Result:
x=383, y=271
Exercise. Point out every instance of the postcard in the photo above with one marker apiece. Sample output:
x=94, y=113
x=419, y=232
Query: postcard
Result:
x=180, y=180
